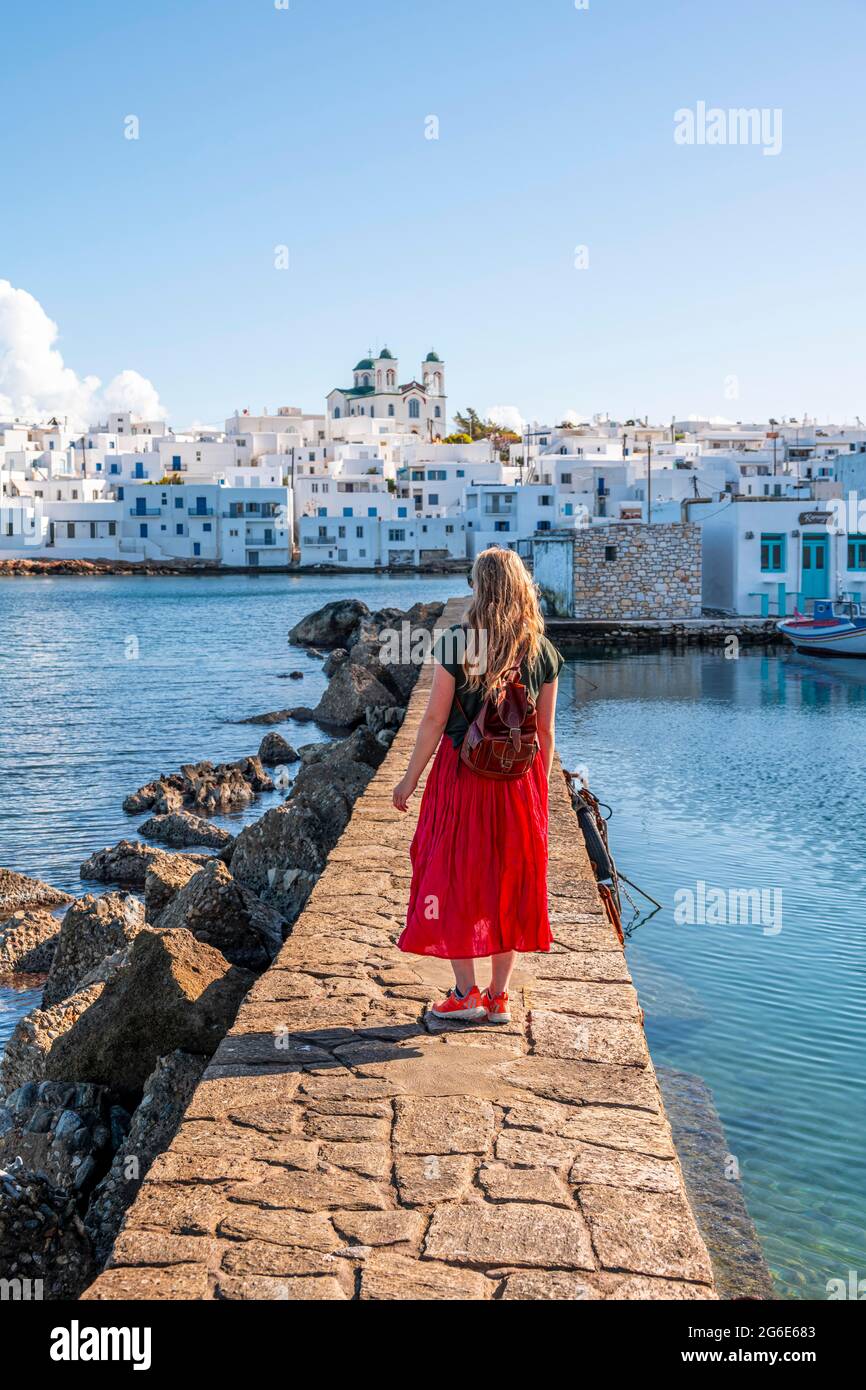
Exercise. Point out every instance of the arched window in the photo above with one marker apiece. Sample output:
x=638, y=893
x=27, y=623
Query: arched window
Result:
x=365, y=380
x=414, y=409
x=378, y=379
x=390, y=410
x=336, y=412
x=437, y=412
x=392, y=378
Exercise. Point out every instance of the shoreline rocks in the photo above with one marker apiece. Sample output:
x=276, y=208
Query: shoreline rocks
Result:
x=127, y=863
x=206, y=788
x=274, y=751
x=180, y=830
x=93, y=929
x=167, y=1093
x=18, y=892
x=28, y=940
x=222, y=913
x=174, y=993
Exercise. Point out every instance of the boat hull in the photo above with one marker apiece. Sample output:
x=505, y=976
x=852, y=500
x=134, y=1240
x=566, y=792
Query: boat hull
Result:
x=846, y=640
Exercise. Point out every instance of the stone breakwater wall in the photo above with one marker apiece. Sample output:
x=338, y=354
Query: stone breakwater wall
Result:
x=631, y=570
x=342, y=1145
x=644, y=633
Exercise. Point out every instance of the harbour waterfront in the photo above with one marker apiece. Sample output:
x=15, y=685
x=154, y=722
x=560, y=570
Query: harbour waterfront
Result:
x=741, y=774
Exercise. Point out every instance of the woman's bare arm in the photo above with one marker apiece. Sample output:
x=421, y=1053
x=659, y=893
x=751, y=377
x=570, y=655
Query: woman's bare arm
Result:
x=430, y=731
x=545, y=712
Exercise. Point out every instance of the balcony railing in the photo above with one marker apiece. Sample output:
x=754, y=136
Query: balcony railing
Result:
x=199, y=511
x=146, y=511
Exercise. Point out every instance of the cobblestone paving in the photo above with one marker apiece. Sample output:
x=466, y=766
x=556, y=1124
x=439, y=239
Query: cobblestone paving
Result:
x=341, y=1145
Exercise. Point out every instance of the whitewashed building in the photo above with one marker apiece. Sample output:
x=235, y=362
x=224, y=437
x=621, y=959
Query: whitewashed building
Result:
x=415, y=407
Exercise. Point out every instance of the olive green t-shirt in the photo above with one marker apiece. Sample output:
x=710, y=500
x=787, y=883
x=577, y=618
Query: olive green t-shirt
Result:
x=448, y=651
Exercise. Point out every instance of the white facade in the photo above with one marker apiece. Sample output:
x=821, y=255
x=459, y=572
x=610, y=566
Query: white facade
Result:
x=774, y=554
x=220, y=525
x=414, y=407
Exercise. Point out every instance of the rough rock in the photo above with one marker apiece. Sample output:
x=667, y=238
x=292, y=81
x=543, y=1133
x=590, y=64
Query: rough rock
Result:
x=222, y=913
x=205, y=787
x=34, y=1036
x=180, y=829
x=165, y=877
x=127, y=863
x=274, y=750
x=280, y=856
x=42, y=1238
x=331, y=626
x=351, y=692
x=63, y=1130
x=175, y=993
x=28, y=940
x=167, y=1092
x=93, y=928
x=333, y=660
x=17, y=892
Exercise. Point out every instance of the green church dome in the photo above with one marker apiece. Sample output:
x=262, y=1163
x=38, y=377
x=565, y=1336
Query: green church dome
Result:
x=365, y=365
x=386, y=352
x=433, y=357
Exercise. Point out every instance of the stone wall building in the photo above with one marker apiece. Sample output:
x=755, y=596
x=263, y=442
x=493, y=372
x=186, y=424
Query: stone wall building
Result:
x=632, y=570
x=619, y=570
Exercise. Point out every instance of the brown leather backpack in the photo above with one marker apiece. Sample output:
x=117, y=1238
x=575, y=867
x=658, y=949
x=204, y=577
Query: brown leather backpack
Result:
x=502, y=740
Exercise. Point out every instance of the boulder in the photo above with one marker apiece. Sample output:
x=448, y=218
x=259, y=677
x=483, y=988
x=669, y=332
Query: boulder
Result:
x=34, y=1036
x=27, y=941
x=64, y=1130
x=352, y=691
x=227, y=916
x=156, y=795
x=330, y=626
x=174, y=993
x=359, y=747
x=127, y=863
x=42, y=1238
x=167, y=1093
x=334, y=660
x=18, y=892
x=274, y=751
x=280, y=857
x=180, y=829
x=93, y=928
x=165, y=877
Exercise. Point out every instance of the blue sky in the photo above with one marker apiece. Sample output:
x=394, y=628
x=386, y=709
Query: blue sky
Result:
x=262, y=127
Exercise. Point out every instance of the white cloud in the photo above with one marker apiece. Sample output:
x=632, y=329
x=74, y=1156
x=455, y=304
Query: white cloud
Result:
x=508, y=417
x=574, y=417
x=35, y=382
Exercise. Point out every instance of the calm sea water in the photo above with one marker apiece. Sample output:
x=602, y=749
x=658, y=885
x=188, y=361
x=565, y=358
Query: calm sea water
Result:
x=740, y=774
x=749, y=774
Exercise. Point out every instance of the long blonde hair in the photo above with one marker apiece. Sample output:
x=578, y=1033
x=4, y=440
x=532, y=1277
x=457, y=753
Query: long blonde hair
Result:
x=506, y=615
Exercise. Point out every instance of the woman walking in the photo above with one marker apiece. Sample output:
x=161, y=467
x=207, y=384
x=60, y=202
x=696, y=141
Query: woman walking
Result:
x=479, y=854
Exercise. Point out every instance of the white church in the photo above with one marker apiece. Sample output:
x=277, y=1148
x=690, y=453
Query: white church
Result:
x=417, y=407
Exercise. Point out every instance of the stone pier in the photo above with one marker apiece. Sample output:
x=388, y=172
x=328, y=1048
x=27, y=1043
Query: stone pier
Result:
x=341, y=1145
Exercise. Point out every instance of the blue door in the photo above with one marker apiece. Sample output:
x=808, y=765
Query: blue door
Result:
x=815, y=582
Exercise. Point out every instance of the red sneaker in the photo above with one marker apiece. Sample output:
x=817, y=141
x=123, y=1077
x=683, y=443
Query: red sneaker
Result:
x=461, y=1010
x=496, y=1007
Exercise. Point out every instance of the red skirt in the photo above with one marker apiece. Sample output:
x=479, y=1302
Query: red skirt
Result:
x=479, y=864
